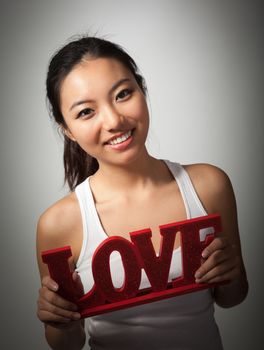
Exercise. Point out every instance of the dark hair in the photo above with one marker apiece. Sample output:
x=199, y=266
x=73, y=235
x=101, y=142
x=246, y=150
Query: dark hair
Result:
x=77, y=163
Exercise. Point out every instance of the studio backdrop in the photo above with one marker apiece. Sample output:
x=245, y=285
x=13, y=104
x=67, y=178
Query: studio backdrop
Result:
x=203, y=64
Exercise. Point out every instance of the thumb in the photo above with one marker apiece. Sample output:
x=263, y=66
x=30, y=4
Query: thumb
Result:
x=78, y=284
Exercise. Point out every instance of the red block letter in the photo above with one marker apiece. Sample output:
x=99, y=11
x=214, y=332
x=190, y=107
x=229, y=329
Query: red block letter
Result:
x=192, y=247
x=157, y=267
x=57, y=261
x=102, y=273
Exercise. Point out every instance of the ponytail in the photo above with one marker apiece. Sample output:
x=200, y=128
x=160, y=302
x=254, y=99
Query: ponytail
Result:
x=78, y=165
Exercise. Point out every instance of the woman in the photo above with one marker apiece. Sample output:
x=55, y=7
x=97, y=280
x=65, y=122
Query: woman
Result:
x=98, y=99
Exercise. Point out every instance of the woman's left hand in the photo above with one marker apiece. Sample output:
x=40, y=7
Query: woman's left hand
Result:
x=222, y=258
x=220, y=262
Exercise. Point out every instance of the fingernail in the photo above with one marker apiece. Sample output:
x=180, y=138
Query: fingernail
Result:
x=54, y=287
x=76, y=316
x=205, y=254
x=198, y=275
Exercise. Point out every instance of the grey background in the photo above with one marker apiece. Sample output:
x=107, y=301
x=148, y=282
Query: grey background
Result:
x=203, y=63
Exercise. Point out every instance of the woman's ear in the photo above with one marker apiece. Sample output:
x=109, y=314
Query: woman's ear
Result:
x=67, y=132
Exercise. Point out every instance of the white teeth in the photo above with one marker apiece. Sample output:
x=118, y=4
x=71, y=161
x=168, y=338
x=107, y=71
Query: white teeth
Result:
x=121, y=138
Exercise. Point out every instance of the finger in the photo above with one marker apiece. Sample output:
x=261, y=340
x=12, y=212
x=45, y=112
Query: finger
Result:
x=56, y=311
x=75, y=276
x=227, y=276
x=55, y=299
x=78, y=284
x=49, y=317
x=218, y=243
x=49, y=283
x=218, y=270
x=215, y=259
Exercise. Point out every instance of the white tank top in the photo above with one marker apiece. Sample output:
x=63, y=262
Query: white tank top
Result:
x=183, y=322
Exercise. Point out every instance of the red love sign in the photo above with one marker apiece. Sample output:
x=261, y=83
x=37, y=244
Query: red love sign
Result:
x=136, y=255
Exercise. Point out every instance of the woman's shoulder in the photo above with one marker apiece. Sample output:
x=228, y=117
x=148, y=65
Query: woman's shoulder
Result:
x=204, y=172
x=212, y=184
x=60, y=224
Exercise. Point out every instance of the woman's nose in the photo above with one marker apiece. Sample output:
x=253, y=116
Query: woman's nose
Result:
x=112, y=119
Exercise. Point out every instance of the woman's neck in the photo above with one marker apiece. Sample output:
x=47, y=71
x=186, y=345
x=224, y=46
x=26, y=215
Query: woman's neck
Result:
x=145, y=172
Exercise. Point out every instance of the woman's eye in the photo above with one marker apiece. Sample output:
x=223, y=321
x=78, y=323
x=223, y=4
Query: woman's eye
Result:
x=86, y=112
x=123, y=94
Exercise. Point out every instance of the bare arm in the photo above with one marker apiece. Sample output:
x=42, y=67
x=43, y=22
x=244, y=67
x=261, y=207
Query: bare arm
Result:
x=63, y=327
x=223, y=257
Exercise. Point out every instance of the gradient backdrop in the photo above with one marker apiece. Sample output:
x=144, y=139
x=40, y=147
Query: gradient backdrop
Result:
x=203, y=63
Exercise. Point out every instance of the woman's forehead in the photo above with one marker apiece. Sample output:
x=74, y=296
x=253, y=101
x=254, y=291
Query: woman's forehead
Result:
x=94, y=72
x=99, y=66
x=93, y=76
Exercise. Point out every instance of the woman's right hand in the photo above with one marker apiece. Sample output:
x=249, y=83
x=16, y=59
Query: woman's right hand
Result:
x=54, y=310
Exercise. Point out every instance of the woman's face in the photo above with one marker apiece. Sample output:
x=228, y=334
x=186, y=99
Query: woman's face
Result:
x=105, y=110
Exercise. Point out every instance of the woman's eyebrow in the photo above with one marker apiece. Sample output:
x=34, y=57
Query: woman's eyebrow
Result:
x=116, y=85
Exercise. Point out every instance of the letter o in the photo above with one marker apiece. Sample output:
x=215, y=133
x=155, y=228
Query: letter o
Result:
x=102, y=273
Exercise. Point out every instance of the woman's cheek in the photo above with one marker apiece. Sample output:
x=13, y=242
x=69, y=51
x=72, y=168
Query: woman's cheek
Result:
x=140, y=111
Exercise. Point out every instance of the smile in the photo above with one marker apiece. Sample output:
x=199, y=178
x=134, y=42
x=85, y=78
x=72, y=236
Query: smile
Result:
x=121, y=138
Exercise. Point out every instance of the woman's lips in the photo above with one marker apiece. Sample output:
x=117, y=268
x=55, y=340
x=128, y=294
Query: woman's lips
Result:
x=123, y=144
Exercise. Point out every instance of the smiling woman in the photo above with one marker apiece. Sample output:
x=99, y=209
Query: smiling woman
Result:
x=98, y=99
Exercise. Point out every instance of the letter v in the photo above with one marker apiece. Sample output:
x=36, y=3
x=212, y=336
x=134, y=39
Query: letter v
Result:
x=157, y=267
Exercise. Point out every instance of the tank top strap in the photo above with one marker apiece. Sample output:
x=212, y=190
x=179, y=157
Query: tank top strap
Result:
x=81, y=195
x=193, y=205
x=92, y=230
